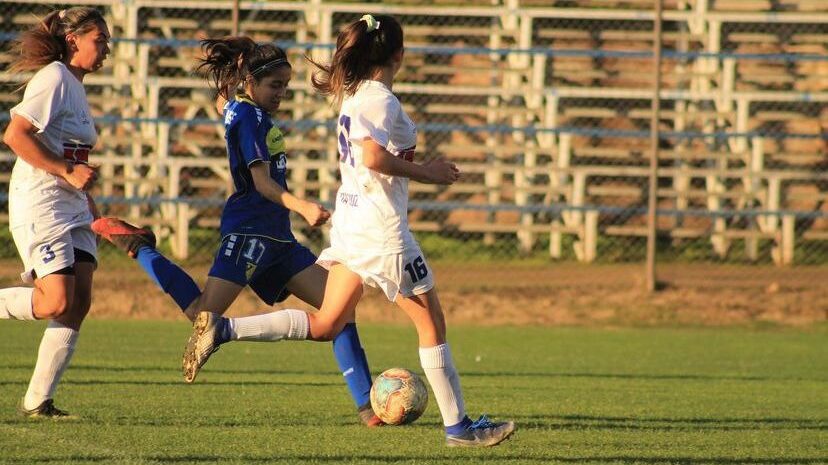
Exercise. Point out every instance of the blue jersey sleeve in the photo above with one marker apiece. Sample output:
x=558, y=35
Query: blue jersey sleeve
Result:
x=252, y=138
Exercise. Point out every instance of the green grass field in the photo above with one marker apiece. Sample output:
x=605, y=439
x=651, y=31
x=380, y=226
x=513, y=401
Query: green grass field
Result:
x=689, y=396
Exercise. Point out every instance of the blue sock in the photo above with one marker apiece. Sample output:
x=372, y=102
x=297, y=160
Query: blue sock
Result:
x=223, y=330
x=459, y=428
x=352, y=363
x=169, y=277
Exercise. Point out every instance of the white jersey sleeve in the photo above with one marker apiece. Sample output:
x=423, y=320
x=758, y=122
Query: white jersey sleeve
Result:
x=43, y=99
x=375, y=120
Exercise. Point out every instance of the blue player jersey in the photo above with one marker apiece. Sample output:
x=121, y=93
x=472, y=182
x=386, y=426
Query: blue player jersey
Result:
x=252, y=138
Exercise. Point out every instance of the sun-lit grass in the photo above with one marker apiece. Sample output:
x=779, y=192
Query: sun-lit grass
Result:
x=627, y=396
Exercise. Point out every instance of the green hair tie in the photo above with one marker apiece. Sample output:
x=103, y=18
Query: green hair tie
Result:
x=371, y=23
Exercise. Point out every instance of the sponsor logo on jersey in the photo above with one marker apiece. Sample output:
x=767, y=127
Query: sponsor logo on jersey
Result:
x=275, y=142
x=281, y=162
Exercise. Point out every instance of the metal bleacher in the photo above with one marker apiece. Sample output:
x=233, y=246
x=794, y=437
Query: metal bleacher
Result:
x=544, y=104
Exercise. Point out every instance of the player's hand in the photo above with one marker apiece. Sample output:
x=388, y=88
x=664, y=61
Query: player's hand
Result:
x=441, y=171
x=315, y=214
x=80, y=176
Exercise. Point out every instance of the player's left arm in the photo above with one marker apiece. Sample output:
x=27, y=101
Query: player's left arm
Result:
x=436, y=171
x=314, y=213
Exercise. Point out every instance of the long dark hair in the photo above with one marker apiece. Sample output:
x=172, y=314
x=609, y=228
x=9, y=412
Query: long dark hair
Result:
x=229, y=61
x=358, y=53
x=46, y=41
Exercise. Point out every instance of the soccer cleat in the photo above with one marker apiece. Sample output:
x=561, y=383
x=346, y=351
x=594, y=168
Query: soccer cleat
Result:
x=46, y=409
x=481, y=433
x=204, y=340
x=369, y=418
x=125, y=236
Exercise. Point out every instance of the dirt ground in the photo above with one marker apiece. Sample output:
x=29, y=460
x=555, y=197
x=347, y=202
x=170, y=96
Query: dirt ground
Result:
x=555, y=294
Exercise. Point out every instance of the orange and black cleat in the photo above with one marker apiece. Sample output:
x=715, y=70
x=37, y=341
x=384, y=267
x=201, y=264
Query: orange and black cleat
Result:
x=123, y=235
x=369, y=418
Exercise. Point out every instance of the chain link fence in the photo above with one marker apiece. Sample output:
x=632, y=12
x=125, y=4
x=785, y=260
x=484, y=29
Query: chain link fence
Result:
x=545, y=105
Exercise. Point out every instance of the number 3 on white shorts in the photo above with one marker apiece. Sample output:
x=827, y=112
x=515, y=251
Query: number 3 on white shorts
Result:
x=47, y=254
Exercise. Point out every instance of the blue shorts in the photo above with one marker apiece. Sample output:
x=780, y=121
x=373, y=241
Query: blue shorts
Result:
x=264, y=264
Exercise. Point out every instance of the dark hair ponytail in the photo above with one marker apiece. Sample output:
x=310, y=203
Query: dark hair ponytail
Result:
x=46, y=41
x=229, y=61
x=358, y=52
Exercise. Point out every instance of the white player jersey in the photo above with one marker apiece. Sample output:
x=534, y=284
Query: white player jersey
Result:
x=55, y=103
x=371, y=212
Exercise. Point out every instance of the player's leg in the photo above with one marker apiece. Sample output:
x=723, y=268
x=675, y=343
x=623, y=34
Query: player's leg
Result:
x=309, y=285
x=342, y=292
x=48, y=261
x=139, y=243
x=239, y=258
x=210, y=329
x=50, y=298
x=418, y=299
x=435, y=357
x=61, y=335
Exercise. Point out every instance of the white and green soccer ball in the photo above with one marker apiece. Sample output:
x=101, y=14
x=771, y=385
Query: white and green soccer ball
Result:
x=398, y=396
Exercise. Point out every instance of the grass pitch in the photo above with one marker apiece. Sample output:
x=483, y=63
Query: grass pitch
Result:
x=650, y=396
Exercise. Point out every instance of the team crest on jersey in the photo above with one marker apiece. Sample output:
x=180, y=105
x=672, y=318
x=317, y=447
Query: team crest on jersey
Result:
x=251, y=268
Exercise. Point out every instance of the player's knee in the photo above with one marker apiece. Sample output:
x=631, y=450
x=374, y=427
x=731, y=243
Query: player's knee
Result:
x=325, y=334
x=53, y=307
x=324, y=330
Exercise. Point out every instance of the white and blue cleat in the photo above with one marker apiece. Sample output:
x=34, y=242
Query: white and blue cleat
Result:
x=481, y=433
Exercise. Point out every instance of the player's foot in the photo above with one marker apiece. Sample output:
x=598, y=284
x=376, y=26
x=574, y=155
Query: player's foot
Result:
x=46, y=409
x=125, y=236
x=369, y=418
x=481, y=433
x=205, y=339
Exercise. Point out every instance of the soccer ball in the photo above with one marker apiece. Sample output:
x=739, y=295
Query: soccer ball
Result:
x=398, y=396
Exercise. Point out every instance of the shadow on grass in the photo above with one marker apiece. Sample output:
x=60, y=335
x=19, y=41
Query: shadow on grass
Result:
x=174, y=369
x=643, y=376
x=140, y=382
x=583, y=422
x=536, y=423
x=499, y=374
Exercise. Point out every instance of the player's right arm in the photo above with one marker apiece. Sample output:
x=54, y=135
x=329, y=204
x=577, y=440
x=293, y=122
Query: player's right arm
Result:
x=20, y=137
x=437, y=171
x=370, y=127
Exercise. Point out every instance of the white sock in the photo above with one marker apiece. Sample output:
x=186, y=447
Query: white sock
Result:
x=274, y=326
x=16, y=303
x=56, y=349
x=445, y=382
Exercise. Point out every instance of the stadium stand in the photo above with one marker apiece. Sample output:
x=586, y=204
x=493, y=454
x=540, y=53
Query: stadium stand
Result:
x=545, y=105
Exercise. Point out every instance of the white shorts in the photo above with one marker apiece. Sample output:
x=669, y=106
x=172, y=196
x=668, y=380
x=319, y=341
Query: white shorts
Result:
x=405, y=273
x=49, y=248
